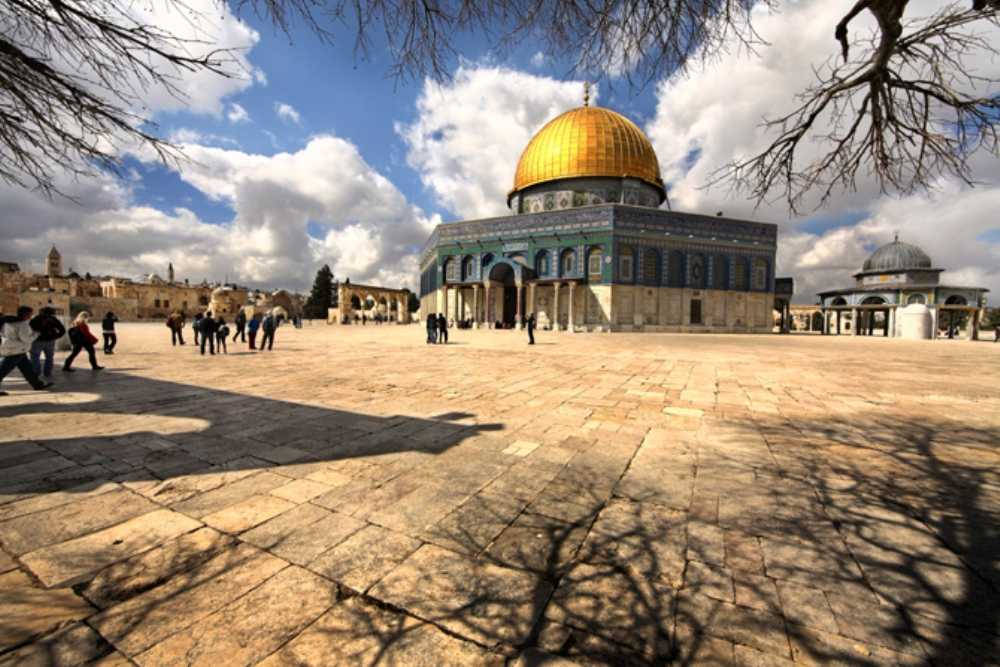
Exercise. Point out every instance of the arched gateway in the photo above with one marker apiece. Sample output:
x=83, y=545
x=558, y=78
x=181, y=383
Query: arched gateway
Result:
x=368, y=300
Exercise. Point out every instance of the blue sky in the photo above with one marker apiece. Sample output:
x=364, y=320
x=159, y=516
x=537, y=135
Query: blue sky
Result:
x=360, y=166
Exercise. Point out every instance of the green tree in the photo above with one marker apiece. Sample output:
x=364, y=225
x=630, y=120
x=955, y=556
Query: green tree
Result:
x=413, y=302
x=321, y=298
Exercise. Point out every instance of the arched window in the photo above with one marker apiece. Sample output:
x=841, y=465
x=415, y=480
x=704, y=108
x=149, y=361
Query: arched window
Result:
x=739, y=273
x=956, y=300
x=916, y=298
x=487, y=260
x=626, y=266
x=567, y=262
x=696, y=271
x=720, y=279
x=839, y=301
x=594, y=265
x=675, y=269
x=468, y=267
x=542, y=263
x=451, y=268
x=650, y=266
x=759, y=274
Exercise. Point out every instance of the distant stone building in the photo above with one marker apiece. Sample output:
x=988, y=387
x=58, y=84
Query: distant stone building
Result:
x=53, y=263
x=895, y=276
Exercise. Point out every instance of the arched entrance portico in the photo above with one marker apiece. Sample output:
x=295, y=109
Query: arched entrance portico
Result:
x=502, y=303
x=870, y=315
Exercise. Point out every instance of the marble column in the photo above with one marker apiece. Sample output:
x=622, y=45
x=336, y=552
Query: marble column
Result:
x=443, y=301
x=838, y=323
x=855, y=321
x=572, y=306
x=532, y=300
x=518, y=311
x=555, y=307
x=476, y=319
x=892, y=322
x=486, y=305
x=826, y=322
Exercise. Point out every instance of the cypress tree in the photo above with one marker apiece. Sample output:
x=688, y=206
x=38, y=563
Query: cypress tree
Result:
x=321, y=298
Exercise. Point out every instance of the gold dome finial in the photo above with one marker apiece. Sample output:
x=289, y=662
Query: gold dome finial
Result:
x=586, y=93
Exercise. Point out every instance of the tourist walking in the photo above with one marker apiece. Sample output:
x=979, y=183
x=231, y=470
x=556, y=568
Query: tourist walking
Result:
x=431, y=328
x=49, y=329
x=531, y=329
x=221, y=334
x=108, y=329
x=81, y=339
x=252, y=327
x=241, y=323
x=442, y=325
x=176, y=324
x=196, y=326
x=207, y=329
x=18, y=337
x=268, y=326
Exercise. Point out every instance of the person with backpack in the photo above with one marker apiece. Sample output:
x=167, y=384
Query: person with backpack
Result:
x=18, y=337
x=49, y=329
x=81, y=339
x=108, y=329
x=240, y=322
x=221, y=335
x=207, y=328
x=268, y=326
x=176, y=325
x=252, y=327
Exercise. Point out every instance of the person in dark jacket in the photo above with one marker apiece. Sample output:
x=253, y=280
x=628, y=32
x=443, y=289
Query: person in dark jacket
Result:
x=268, y=326
x=442, y=324
x=241, y=323
x=252, y=327
x=18, y=337
x=207, y=330
x=49, y=329
x=221, y=335
x=108, y=329
x=531, y=329
x=431, y=328
x=176, y=324
x=196, y=326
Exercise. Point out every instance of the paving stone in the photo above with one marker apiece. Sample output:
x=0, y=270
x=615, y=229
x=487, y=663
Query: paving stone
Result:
x=251, y=627
x=475, y=600
x=300, y=491
x=47, y=501
x=356, y=632
x=65, y=522
x=364, y=557
x=474, y=524
x=220, y=498
x=303, y=533
x=142, y=572
x=67, y=562
x=184, y=600
x=75, y=644
x=699, y=616
x=247, y=513
x=538, y=544
x=29, y=611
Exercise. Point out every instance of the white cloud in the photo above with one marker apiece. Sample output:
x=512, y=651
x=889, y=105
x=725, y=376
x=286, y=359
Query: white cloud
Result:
x=538, y=59
x=469, y=133
x=287, y=112
x=372, y=234
x=237, y=114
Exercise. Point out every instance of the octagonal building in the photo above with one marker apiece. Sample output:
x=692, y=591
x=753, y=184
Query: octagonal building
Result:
x=587, y=247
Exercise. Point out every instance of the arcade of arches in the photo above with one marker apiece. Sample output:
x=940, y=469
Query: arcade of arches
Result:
x=371, y=303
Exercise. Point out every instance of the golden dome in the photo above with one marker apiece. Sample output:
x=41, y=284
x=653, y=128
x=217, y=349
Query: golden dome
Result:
x=588, y=141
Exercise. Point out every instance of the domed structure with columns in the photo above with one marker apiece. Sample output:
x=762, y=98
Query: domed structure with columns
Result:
x=893, y=277
x=587, y=246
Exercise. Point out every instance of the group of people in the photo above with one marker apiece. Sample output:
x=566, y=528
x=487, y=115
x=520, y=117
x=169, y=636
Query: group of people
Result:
x=213, y=332
x=437, y=328
x=28, y=343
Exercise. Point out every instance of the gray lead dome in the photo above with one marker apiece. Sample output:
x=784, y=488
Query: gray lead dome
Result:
x=897, y=256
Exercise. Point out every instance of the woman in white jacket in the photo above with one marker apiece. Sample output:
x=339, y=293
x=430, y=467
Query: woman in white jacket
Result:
x=17, y=339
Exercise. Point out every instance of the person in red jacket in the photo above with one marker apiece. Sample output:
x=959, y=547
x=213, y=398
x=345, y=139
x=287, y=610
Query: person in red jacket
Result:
x=82, y=339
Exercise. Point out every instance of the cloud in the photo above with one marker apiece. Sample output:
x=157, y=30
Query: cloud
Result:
x=287, y=112
x=237, y=114
x=538, y=59
x=700, y=124
x=370, y=232
x=470, y=132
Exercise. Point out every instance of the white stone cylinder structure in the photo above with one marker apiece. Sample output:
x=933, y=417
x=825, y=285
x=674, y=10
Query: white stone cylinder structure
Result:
x=916, y=322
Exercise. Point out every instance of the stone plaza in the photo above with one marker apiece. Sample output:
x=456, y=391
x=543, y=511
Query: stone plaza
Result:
x=359, y=497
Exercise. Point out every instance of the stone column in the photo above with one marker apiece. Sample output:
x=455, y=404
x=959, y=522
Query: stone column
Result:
x=572, y=304
x=826, y=322
x=971, y=331
x=475, y=305
x=443, y=301
x=855, y=321
x=532, y=299
x=486, y=304
x=892, y=322
x=555, y=306
x=838, y=322
x=518, y=314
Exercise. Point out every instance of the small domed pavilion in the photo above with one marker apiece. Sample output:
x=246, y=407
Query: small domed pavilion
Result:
x=587, y=247
x=896, y=275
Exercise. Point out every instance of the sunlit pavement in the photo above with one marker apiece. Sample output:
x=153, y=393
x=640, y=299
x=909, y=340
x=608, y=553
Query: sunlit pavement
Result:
x=358, y=496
